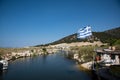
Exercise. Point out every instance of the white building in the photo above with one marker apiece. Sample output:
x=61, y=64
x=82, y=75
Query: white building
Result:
x=108, y=57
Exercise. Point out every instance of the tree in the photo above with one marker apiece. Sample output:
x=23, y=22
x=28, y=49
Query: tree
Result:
x=44, y=50
x=111, y=41
x=117, y=42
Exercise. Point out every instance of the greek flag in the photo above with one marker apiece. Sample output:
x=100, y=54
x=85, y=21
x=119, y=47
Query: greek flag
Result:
x=84, y=32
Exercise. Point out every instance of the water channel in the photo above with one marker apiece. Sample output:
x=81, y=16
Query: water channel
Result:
x=49, y=67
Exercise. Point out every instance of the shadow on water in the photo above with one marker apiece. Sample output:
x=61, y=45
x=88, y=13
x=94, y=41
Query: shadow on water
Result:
x=2, y=73
x=1, y=78
x=94, y=76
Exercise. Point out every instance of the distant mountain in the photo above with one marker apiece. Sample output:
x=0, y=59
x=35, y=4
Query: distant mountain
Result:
x=105, y=37
x=67, y=39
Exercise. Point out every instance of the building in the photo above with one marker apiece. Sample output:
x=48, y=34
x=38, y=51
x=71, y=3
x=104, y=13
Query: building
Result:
x=108, y=57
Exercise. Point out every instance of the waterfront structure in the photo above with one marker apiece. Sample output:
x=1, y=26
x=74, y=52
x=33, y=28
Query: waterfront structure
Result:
x=106, y=63
x=108, y=57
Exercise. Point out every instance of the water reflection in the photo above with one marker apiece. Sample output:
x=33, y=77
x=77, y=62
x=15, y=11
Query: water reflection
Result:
x=44, y=57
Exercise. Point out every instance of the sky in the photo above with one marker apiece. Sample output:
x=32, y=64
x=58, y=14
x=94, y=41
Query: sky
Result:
x=33, y=22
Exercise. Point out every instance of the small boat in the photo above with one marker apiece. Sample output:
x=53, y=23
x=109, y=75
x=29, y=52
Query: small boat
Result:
x=4, y=64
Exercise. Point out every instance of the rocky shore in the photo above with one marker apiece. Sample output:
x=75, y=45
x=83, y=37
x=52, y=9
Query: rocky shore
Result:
x=15, y=53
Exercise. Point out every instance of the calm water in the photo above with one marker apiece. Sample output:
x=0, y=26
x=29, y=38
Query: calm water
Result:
x=50, y=67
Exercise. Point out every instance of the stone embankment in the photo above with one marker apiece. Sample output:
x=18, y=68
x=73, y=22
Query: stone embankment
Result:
x=87, y=65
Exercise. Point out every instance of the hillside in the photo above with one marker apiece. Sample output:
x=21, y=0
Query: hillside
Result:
x=114, y=32
x=108, y=35
x=105, y=37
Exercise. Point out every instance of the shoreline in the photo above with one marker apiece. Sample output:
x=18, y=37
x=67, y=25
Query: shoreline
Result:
x=99, y=74
x=90, y=73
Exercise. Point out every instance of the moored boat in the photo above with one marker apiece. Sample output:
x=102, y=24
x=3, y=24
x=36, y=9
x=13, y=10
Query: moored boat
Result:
x=4, y=64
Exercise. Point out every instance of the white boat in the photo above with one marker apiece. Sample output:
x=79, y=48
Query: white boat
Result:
x=5, y=64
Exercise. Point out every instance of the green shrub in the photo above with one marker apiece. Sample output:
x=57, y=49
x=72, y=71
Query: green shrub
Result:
x=13, y=57
x=117, y=42
x=85, y=52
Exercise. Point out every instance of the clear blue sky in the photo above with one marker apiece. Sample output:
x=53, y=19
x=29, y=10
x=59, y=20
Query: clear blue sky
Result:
x=33, y=22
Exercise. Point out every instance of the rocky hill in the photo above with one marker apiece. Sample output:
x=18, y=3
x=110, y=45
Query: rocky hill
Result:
x=108, y=35
x=105, y=37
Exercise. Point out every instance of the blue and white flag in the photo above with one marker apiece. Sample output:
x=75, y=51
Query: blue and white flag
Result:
x=84, y=32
